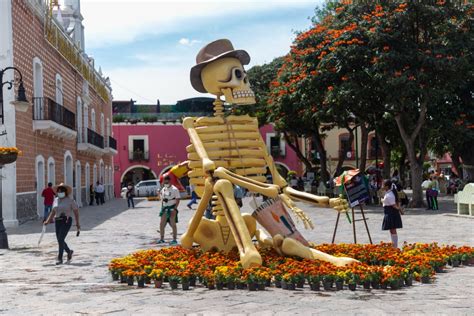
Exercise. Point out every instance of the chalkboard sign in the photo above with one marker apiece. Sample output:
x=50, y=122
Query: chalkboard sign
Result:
x=356, y=190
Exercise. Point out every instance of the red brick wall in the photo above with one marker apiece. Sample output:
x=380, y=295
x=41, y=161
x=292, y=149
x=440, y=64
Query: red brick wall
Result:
x=28, y=43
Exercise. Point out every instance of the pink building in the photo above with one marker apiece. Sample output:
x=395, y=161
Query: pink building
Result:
x=146, y=150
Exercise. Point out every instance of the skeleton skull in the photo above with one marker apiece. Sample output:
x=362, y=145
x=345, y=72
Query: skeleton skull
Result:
x=226, y=76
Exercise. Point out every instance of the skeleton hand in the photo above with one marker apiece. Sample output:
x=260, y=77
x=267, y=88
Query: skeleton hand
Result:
x=208, y=165
x=339, y=204
x=300, y=215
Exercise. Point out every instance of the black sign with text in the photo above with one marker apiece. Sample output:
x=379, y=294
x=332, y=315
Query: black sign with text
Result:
x=356, y=190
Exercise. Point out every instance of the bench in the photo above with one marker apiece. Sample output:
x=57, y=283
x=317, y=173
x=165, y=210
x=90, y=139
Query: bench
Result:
x=465, y=200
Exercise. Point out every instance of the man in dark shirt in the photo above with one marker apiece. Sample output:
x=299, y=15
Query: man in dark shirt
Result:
x=48, y=195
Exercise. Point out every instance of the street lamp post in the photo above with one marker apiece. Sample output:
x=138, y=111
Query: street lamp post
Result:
x=22, y=104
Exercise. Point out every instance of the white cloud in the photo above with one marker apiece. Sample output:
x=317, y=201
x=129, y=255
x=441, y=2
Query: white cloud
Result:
x=111, y=22
x=187, y=42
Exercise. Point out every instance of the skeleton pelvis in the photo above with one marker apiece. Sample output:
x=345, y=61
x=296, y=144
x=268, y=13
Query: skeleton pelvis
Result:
x=216, y=234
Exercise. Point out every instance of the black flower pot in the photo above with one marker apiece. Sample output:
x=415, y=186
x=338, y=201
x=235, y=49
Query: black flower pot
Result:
x=352, y=286
x=141, y=282
x=300, y=284
x=291, y=286
x=268, y=283
x=284, y=285
x=173, y=284
x=394, y=285
x=366, y=285
x=252, y=286
x=147, y=280
x=425, y=279
x=240, y=286
x=130, y=281
x=339, y=285
x=123, y=279
x=314, y=286
x=327, y=285
x=375, y=285
x=185, y=285
x=455, y=263
x=115, y=276
x=278, y=283
x=409, y=281
x=384, y=285
x=220, y=285
x=439, y=269
x=261, y=286
x=192, y=281
x=211, y=286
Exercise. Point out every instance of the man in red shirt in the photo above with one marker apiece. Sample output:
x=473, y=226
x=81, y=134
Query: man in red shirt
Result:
x=48, y=195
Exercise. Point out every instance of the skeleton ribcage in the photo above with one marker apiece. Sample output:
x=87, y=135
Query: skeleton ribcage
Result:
x=234, y=143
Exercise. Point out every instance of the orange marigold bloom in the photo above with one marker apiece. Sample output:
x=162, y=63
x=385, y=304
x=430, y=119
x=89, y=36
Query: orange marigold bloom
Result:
x=344, y=78
x=398, y=73
x=386, y=48
x=411, y=78
x=330, y=88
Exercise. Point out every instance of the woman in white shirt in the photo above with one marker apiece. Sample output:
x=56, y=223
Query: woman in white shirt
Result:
x=392, y=219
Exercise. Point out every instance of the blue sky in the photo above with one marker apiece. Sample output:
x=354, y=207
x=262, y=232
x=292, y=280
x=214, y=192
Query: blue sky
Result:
x=148, y=47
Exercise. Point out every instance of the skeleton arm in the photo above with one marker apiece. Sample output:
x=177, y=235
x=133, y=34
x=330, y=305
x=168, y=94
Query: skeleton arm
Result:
x=207, y=164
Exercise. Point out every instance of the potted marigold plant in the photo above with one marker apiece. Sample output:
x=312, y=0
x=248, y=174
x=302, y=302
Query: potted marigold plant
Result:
x=328, y=281
x=173, y=278
x=140, y=277
x=425, y=273
x=340, y=277
x=249, y=276
x=288, y=282
x=157, y=276
x=129, y=275
x=8, y=155
x=314, y=281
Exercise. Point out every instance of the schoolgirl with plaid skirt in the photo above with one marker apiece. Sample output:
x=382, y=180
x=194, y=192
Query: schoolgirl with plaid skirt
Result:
x=392, y=218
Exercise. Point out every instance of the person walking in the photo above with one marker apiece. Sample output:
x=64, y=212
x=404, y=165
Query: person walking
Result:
x=169, y=195
x=64, y=207
x=91, y=194
x=48, y=195
x=432, y=192
x=130, y=195
x=193, y=197
x=99, y=193
x=392, y=218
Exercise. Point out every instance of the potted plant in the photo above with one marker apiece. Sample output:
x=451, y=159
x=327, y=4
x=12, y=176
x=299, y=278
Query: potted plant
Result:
x=288, y=282
x=173, y=278
x=339, y=279
x=314, y=281
x=425, y=273
x=157, y=276
x=140, y=277
x=129, y=275
x=328, y=280
x=8, y=155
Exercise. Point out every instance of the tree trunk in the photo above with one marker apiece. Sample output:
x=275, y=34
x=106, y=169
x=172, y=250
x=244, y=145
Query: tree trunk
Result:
x=466, y=152
x=342, y=156
x=416, y=166
x=401, y=168
x=386, y=154
x=457, y=164
x=293, y=141
x=363, y=144
x=323, y=161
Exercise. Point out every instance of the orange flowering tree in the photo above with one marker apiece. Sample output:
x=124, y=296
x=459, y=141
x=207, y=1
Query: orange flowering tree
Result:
x=372, y=64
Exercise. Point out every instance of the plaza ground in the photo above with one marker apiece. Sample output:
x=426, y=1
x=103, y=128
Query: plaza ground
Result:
x=31, y=283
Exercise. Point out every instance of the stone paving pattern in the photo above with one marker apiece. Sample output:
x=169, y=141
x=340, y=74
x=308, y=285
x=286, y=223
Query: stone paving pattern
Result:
x=31, y=284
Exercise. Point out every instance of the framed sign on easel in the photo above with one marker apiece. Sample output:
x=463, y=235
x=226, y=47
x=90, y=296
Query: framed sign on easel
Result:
x=357, y=193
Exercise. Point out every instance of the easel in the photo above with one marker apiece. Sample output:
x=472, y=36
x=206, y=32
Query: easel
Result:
x=353, y=225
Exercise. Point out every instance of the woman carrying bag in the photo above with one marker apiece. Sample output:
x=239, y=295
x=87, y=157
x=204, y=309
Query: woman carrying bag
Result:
x=64, y=207
x=392, y=218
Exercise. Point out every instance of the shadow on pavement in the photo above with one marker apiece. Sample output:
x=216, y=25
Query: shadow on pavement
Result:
x=90, y=217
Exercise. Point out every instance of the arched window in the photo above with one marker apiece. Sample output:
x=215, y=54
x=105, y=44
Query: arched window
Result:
x=93, y=120
x=79, y=119
x=78, y=183
x=346, y=149
x=102, y=127
x=51, y=176
x=38, y=108
x=107, y=131
x=87, y=180
x=94, y=175
x=59, y=89
x=68, y=169
x=40, y=185
x=86, y=121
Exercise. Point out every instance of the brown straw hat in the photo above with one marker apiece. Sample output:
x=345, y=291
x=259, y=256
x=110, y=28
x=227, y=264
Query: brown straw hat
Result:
x=212, y=51
x=67, y=187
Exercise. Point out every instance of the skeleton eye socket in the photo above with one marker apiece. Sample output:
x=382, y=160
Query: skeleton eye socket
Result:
x=239, y=74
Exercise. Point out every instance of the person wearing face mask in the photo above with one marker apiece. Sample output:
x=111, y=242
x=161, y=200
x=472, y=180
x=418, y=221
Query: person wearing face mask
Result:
x=170, y=196
x=63, y=208
x=130, y=194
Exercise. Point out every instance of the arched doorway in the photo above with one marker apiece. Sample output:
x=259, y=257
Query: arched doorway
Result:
x=40, y=185
x=87, y=182
x=136, y=174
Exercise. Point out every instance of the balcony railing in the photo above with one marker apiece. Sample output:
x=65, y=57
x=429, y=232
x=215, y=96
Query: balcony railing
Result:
x=95, y=139
x=138, y=156
x=112, y=143
x=47, y=109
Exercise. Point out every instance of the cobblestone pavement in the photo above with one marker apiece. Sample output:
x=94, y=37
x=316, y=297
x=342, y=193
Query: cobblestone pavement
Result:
x=30, y=282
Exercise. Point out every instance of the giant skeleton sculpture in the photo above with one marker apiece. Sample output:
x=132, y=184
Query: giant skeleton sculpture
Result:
x=228, y=150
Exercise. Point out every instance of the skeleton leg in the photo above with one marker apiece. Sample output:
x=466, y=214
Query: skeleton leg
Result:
x=266, y=189
x=249, y=256
x=187, y=238
x=293, y=247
